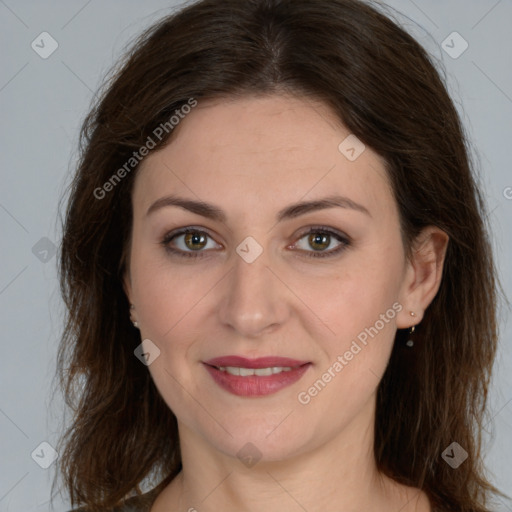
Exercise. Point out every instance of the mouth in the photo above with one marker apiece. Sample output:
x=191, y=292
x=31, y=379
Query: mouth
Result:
x=255, y=377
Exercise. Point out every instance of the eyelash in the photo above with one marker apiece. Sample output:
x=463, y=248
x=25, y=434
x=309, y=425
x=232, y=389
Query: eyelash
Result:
x=345, y=242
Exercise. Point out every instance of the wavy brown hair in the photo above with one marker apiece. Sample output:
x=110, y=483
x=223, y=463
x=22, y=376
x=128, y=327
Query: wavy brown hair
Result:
x=384, y=87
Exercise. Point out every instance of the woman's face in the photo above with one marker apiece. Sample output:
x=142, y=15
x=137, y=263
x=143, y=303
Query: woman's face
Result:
x=251, y=282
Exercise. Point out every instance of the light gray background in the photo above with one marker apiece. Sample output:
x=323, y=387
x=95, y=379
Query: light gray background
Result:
x=43, y=102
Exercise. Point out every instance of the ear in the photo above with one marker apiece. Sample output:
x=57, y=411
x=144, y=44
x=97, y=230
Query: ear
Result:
x=423, y=275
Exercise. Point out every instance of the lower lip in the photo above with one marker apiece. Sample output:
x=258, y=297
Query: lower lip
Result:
x=255, y=385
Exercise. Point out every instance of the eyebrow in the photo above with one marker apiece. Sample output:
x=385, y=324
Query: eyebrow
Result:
x=215, y=213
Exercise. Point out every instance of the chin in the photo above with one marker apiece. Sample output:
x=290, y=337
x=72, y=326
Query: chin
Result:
x=267, y=439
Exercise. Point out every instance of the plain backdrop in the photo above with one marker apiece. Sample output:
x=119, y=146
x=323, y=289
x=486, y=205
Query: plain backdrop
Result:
x=44, y=100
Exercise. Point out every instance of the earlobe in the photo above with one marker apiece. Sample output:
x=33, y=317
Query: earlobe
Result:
x=424, y=274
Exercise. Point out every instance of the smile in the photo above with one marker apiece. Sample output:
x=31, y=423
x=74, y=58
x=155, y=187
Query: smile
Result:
x=255, y=377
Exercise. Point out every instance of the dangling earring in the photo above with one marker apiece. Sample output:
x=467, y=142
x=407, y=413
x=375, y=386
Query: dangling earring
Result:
x=410, y=342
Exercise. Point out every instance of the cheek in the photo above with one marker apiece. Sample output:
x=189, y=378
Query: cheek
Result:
x=167, y=293
x=354, y=357
x=170, y=301
x=360, y=307
x=357, y=296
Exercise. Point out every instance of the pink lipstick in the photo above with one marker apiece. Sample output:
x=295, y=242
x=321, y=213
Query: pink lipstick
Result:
x=255, y=377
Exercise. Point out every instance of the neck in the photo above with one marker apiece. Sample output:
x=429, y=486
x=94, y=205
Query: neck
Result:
x=338, y=474
x=312, y=481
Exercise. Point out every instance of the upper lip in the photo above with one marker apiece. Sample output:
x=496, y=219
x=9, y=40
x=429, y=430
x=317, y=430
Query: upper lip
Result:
x=260, y=362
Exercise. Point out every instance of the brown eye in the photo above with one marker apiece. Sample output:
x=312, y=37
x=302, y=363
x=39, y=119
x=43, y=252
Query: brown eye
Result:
x=187, y=242
x=195, y=240
x=319, y=239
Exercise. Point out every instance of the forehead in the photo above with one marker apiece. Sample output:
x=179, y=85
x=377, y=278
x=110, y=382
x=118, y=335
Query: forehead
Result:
x=276, y=149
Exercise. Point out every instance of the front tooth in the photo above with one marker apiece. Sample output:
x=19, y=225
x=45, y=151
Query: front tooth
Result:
x=261, y=372
x=246, y=372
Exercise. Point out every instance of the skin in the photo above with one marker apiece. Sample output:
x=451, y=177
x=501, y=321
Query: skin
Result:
x=251, y=157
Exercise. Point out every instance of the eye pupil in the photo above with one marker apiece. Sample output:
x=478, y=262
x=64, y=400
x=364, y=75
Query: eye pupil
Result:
x=195, y=238
x=319, y=239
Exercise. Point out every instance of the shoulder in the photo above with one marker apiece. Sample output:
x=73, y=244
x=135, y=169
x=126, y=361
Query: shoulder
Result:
x=140, y=503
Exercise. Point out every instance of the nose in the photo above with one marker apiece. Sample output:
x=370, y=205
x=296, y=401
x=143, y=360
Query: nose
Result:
x=254, y=300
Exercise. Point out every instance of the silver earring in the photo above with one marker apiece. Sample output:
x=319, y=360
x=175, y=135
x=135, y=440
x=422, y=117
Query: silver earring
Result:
x=135, y=324
x=410, y=342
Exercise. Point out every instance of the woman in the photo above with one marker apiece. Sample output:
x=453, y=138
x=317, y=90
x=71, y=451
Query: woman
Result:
x=280, y=287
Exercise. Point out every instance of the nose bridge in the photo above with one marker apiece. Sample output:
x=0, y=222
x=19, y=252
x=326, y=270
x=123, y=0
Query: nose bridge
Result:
x=253, y=299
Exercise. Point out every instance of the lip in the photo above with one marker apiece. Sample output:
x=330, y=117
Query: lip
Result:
x=260, y=362
x=254, y=385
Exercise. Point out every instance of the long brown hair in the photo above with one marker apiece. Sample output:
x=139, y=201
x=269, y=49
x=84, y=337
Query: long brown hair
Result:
x=383, y=86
